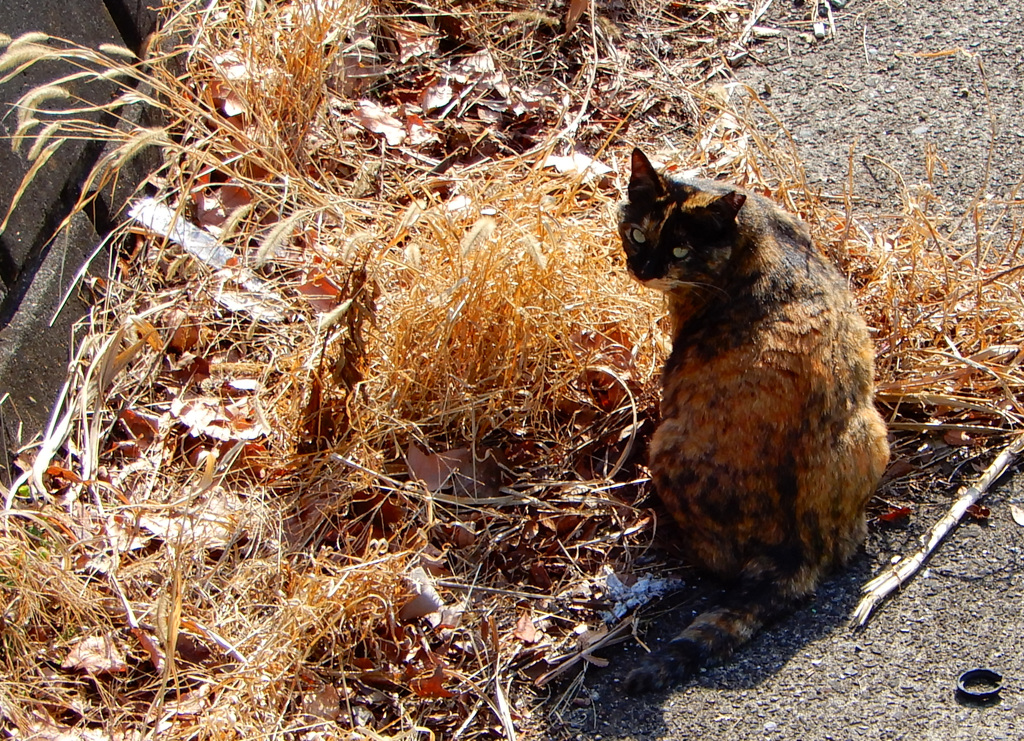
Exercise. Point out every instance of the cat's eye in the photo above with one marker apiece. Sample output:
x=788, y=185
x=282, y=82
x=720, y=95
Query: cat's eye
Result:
x=680, y=252
x=637, y=236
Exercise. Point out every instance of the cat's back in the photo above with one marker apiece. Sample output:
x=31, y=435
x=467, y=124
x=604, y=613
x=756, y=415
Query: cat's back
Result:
x=784, y=314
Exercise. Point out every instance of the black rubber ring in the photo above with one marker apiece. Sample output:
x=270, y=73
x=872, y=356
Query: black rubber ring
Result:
x=979, y=684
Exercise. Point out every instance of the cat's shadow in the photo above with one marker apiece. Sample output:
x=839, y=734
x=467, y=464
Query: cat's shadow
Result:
x=618, y=715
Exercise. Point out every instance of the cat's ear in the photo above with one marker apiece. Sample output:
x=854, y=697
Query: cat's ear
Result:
x=644, y=182
x=728, y=206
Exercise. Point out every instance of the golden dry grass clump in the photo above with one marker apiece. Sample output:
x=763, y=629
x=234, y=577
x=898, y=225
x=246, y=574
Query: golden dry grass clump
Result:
x=492, y=315
x=351, y=437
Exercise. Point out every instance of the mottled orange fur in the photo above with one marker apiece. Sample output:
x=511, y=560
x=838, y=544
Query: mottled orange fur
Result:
x=770, y=445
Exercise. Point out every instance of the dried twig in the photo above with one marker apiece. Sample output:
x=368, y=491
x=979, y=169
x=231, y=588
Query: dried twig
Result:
x=616, y=635
x=885, y=584
x=501, y=701
x=755, y=16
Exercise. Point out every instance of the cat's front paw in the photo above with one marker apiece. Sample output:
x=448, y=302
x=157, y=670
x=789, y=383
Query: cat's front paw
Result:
x=659, y=671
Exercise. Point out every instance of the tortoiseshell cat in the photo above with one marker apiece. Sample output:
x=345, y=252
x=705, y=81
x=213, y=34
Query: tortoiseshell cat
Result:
x=769, y=446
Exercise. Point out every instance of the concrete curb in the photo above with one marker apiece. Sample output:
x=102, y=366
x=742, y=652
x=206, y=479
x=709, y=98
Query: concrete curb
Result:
x=37, y=268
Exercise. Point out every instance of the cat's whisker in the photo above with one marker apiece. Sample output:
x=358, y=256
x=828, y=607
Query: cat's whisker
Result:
x=699, y=286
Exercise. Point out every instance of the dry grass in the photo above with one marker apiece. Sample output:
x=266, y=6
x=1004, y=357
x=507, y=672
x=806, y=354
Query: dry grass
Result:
x=235, y=503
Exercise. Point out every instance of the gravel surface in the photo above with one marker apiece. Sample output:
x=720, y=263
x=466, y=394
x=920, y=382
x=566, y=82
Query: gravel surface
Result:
x=899, y=80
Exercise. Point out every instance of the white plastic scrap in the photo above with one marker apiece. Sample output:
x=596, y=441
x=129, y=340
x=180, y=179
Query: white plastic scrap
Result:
x=578, y=163
x=262, y=303
x=163, y=220
x=645, y=589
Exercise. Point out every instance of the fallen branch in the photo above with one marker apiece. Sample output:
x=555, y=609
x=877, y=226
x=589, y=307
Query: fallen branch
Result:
x=885, y=584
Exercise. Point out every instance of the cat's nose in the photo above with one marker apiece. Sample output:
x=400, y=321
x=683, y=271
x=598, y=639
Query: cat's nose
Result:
x=643, y=270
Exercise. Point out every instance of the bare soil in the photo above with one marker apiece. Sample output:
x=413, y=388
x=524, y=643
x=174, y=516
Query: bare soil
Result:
x=926, y=96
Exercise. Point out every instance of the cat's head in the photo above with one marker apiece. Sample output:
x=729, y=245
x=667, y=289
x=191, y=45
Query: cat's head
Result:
x=677, y=233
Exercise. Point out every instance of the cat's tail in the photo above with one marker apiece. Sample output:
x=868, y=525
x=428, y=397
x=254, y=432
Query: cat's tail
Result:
x=753, y=602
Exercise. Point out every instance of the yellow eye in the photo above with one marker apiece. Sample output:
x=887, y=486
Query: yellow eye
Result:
x=680, y=252
x=637, y=236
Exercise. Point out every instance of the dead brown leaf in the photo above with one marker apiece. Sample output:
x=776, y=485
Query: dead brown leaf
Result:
x=419, y=131
x=224, y=92
x=414, y=40
x=432, y=686
x=189, y=649
x=63, y=475
x=572, y=15
x=426, y=600
x=189, y=704
x=212, y=525
x=437, y=95
x=459, y=535
x=189, y=369
x=481, y=71
x=96, y=655
x=215, y=204
x=898, y=468
x=432, y=560
x=217, y=418
x=958, y=438
x=525, y=630
x=184, y=331
x=979, y=512
x=372, y=117
x=325, y=704
x=539, y=576
x=434, y=470
x=458, y=469
x=146, y=332
x=895, y=514
x=322, y=293
x=1017, y=512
